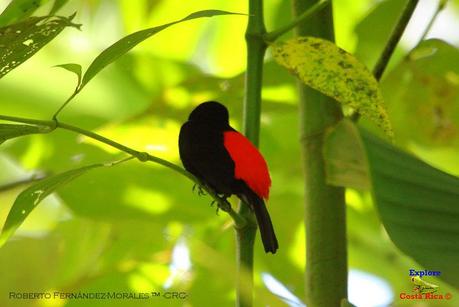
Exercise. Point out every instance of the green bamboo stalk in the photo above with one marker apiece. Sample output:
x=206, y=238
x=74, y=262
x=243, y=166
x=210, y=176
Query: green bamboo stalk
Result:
x=325, y=217
x=245, y=236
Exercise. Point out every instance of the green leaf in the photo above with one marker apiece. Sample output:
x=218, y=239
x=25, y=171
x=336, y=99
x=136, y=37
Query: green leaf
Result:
x=75, y=68
x=418, y=204
x=125, y=44
x=18, y=10
x=9, y=131
x=32, y=196
x=20, y=41
x=334, y=72
x=419, y=207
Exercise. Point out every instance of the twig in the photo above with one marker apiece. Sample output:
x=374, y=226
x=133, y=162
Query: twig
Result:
x=394, y=38
x=397, y=33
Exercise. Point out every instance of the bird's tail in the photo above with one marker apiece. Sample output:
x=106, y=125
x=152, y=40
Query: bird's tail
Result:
x=264, y=221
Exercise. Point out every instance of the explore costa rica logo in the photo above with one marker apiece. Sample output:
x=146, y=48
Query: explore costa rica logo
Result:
x=422, y=289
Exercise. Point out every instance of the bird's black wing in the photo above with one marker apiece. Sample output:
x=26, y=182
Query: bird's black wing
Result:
x=203, y=154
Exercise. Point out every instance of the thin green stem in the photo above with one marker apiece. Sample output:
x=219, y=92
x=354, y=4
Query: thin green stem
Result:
x=274, y=35
x=101, y=139
x=45, y=123
x=245, y=237
x=388, y=50
x=223, y=204
x=441, y=5
x=77, y=90
x=394, y=38
x=325, y=215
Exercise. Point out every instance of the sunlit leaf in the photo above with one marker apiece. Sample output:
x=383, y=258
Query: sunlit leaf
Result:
x=20, y=41
x=418, y=204
x=19, y=9
x=334, y=72
x=32, y=196
x=75, y=68
x=9, y=131
x=125, y=44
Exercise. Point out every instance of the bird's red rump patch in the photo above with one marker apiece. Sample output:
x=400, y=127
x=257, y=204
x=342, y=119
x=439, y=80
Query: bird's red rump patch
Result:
x=250, y=166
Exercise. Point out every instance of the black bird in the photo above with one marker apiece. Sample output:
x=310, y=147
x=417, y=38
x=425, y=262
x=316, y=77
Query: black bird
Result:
x=226, y=161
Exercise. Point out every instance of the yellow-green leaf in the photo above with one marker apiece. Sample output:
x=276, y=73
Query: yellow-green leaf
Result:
x=336, y=73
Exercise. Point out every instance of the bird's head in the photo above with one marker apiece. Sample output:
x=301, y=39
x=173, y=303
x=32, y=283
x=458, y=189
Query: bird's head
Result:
x=211, y=113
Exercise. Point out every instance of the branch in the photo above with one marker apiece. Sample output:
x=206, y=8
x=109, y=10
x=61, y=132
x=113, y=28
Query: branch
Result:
x=223, y=204
x=77, y=90
x=272, y=36
x=397, y=33
x=386, y=54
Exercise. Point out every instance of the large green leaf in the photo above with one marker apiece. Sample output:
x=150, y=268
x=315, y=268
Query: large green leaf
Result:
x=418, y=204
x=125, y=44
x=10, y=131
x=32, y=196
x=22, y=40
x=336, y=73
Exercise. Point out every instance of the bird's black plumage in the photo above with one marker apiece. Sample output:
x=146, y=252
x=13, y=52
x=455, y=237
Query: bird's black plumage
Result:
x=203, y=153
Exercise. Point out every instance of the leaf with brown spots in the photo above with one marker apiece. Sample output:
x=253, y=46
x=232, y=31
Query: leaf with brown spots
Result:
x=336, y=73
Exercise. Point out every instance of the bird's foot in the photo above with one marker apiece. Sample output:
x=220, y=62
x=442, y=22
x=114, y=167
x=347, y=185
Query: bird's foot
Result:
x=218, y=205
x=199, y=188
x=222, y=204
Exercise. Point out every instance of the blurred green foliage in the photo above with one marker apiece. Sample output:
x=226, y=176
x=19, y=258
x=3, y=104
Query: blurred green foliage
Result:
x=116, y=229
